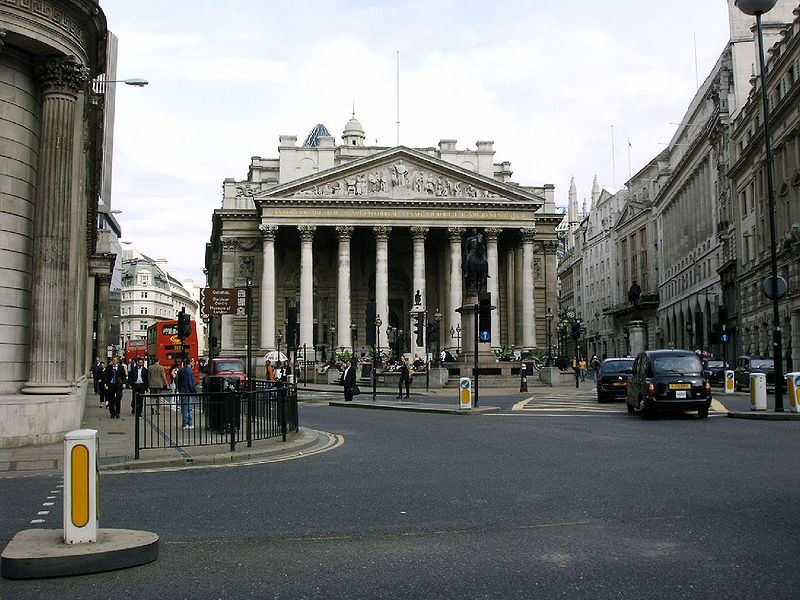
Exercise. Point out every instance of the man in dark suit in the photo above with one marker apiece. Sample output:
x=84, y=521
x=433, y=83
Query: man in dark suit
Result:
x=137, y=380
x=349, y=379
x=405, y=378
x=115, y=377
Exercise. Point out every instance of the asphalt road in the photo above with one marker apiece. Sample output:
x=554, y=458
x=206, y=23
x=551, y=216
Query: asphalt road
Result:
x=521, y=505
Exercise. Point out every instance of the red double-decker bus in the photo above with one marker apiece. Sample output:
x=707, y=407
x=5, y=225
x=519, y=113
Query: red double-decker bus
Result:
x=135, y=349
x=164, y=344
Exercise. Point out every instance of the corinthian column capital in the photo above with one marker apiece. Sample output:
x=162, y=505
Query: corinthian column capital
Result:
x=418, y=233
x=382, y=232
x=230, y=244
x=492, y=233
x=306, y=232
x=345, y=232
x=455, y=233
x=268, y=232
x=528, y=233
x=63, y=74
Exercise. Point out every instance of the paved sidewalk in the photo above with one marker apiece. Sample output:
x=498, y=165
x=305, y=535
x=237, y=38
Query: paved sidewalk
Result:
x=117, y=447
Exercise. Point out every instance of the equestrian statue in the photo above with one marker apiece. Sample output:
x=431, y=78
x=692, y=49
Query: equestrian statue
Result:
x=475, y=266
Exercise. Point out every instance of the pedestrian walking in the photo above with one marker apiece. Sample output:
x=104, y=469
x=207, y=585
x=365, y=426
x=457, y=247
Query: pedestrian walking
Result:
x=405, y=378
x=157, y=384
x=96, y=367
x=349, y=380
x=595, y=365
x=115, y=379
x=583, y=366
x=100, y=383
x=174, y=370
x=137, y=381
x=187, y=387
x=576, y=369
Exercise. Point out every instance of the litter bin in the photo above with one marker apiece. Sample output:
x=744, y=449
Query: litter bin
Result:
x=221, y=402
x=758, y=391
x=793, y=387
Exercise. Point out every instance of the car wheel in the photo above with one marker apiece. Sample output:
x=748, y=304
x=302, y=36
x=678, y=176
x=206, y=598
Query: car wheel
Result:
x=702, y=412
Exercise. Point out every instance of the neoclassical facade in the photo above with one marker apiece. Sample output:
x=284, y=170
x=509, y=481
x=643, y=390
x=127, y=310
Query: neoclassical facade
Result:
x=50, y=51
x=328, y=229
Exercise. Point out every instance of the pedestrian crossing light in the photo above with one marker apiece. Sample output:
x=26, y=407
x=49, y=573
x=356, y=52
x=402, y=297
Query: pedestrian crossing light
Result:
x=419, y=328
x=485, y=317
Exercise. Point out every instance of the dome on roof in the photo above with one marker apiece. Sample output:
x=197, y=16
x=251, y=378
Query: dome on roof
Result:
x=353, y=134
x=317, y=132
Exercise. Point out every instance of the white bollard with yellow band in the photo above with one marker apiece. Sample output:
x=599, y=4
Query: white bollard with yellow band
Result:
x=81, y=491
x=730, y=382
x=464, y=393
x=758, y=391
x=793, y=388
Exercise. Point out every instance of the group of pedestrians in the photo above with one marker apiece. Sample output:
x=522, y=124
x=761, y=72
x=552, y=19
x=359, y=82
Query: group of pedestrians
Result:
x=109, y=381
x=580, y=367
x=348, y=379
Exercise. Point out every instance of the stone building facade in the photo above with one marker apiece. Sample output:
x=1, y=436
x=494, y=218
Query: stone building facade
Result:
x=52, y=156
x=326, y=229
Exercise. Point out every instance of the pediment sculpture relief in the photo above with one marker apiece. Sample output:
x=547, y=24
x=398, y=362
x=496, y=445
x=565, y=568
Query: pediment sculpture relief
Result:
x=398, y=181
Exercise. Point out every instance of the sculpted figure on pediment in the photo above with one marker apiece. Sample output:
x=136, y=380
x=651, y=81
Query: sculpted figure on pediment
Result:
x=400, y=175
x=361, y=185
x=246, y=190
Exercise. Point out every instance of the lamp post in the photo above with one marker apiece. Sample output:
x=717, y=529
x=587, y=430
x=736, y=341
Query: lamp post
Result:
x=279, y=338
x=455, y=334
x=376, y=357
x=757, y=8
x=549, y=319
x=332, y=360
x=353, y=338
x=438, y=318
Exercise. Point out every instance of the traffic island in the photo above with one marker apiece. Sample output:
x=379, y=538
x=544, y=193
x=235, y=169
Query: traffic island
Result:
x=765, y=415
x=37, y=553
x=415, y=407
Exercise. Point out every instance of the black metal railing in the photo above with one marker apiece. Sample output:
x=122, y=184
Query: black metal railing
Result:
x=210, y=418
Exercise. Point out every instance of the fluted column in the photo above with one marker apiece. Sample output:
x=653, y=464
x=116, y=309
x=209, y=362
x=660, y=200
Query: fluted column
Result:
x=229, y=246
x=382, y=280
x=528, y=311
x=511, y=296
x=418, y=235
x=455, y=298
x=343, y=311
x=103, y=281
x=493, y=280
x=307, y=286
x=268, y=286
x=60, y=81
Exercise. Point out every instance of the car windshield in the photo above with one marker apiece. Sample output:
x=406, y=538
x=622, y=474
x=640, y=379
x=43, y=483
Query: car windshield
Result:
x=616, y=366
x=715, y=363
x=682, y=365
x=761, y=364
x=229, y=365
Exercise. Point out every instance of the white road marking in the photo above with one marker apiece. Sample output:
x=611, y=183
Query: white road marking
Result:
x=35, y=521
x=48, y=503
x=43, y=512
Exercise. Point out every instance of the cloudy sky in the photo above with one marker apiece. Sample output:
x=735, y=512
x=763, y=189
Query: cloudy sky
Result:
x=545, y=80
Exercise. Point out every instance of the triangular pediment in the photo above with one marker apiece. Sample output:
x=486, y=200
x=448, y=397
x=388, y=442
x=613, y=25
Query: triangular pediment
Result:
x=399, y=174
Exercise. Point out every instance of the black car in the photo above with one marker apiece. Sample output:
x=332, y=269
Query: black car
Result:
x=613, y=378
x=753, y=364
x=714, y=370
x=668, y=379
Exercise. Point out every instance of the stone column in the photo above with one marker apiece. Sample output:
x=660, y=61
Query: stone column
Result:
x=456, y=295
x=382, y=280
x=229, y=246
x=60, y=80
x=511, y=296
x=528, y=313
x=343, y=313
x=307, y=286
x=418, y=235
x=101, y=342
x=493, y=281
x=268, y=286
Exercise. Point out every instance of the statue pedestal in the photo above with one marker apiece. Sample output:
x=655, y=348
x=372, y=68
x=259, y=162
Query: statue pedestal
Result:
x=468, y=322
x=637, y=337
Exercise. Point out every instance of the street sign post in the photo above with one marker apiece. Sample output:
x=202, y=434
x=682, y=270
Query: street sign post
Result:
x=222, y=301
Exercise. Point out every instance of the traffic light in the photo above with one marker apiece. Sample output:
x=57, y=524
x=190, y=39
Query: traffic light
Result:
x=184, y=325
x=485, y=317
x=419, y=328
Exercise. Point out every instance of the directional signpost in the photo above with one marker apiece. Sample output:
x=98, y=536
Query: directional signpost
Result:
x=222, y=301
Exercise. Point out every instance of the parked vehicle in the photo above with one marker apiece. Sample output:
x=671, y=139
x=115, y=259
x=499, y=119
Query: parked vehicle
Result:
x=613, y=378
x=668, y=379
x=227, y=368
x=753, y=364
x=714, y=370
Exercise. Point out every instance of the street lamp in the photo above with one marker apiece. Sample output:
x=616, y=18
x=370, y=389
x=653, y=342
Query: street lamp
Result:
x=353, y=338
x=279, y=337
x=455, y=334
x=134, y=81
x=771, y=285
x=438, y=318
x=549, y=318
x=333, y=350
x=376, y=357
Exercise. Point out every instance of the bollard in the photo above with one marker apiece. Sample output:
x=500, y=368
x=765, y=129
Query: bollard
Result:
x=730, y=382
x=465, y=393
x=793, y=387
x=81, y=492
x=523, y=378
x=758, y=391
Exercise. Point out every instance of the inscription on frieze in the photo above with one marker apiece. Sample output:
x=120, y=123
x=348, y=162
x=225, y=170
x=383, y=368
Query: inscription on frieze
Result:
x=390, y=213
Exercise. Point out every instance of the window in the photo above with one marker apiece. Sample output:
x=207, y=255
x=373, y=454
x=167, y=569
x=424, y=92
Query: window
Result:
x=142, y=325
x=144, y=279
x=144, y=310
x=144, y=294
